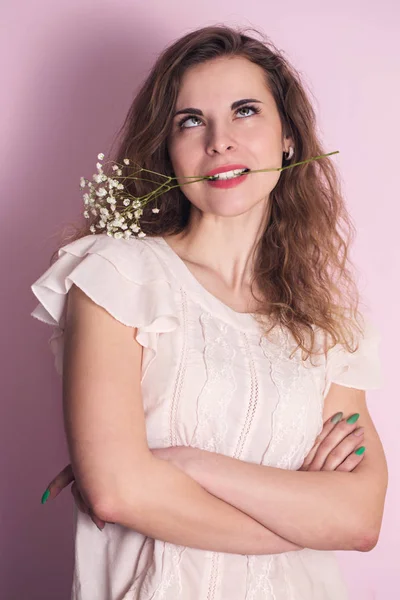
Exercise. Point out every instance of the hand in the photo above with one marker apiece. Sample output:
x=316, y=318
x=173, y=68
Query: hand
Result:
x=334, y=448
x=64, y=478
x=178, y=455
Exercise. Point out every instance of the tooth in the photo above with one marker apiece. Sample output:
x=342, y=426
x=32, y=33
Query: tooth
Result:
x=230, y=174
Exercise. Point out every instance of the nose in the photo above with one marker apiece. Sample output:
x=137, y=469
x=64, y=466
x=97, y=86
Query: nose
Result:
x=219, y=142
x=221, y=149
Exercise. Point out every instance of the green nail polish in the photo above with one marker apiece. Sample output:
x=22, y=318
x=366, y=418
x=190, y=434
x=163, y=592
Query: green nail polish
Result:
x=45, y=496
x=336, y=418
x=360, y=450
x=352, y=419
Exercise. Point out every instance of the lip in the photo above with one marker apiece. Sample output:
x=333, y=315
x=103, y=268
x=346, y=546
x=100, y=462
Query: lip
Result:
x=225, y=168
x=225, y=184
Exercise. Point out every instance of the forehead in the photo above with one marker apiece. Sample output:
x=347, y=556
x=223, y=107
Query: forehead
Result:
x=225, y=78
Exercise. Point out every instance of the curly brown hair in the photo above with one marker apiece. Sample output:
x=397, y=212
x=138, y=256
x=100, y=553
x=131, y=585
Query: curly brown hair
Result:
x=302, y=264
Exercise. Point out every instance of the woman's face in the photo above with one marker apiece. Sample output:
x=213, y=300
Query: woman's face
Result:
x=224, y=136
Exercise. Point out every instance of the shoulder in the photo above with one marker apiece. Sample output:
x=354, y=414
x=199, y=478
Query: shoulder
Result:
x=133, y=257
x=125, y=277
x=360, y=369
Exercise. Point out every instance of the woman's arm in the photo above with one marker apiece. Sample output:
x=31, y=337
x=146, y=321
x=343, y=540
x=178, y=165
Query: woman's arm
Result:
x=175, y=508
x=117, y=475
x=321, y=510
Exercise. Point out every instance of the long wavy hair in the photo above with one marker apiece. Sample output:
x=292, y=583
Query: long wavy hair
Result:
x=302, y=265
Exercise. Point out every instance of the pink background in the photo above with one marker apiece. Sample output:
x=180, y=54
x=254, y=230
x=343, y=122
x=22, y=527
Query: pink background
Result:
x=69, y=73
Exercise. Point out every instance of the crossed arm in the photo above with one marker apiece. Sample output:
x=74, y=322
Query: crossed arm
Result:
x=323, y=510
x=264, y=510
x=220, y=503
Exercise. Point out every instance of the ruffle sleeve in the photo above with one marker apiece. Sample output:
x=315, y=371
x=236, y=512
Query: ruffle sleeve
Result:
x=123, y=276
x=361, y=369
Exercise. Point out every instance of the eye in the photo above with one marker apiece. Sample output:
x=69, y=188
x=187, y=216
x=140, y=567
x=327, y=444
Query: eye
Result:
x=249, y=107
x=255, y=109
x=181, y=123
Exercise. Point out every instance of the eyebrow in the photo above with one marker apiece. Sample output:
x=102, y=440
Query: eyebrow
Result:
x=197, y=111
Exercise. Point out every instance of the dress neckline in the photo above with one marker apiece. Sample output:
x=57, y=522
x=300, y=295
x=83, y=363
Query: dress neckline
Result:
x=213, y=304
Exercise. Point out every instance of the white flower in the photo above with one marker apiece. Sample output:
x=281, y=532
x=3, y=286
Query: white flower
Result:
x=120, y=186
x=114, y=167
x=86, y=214
x=101, y=192
x=101, y=224
x=141, y=234
x=134, y=228
x=119, y=172
x=126, y=202
x=99, y=166
x=126, y=161
x=155, y=210
x=98, y=178
x=100, y=156
x=138, y=213
x=83, y=182
x=127, y=234
x=92, y=229
x=118, y=235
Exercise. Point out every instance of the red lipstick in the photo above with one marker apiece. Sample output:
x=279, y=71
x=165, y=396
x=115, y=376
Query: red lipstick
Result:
x=226, y=183
x=225, y=168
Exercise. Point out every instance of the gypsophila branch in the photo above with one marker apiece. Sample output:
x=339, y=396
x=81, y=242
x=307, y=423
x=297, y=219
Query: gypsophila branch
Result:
x=125, y=222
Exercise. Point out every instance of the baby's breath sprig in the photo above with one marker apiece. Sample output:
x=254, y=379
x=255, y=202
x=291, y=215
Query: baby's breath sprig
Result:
x=125, y=222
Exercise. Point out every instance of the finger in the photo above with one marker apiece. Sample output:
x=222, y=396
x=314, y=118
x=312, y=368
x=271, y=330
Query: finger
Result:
x=343, y=450
x=78, y=499
x=336, y=436
x=98, y=522
x=61, y=481
x=83, y=507
x=351, y=462
x=328, y=426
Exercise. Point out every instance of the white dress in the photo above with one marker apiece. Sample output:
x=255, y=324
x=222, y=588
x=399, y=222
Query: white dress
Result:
x=210, y=380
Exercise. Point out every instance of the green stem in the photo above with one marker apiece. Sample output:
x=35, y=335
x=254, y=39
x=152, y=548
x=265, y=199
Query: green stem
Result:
x=159, y=190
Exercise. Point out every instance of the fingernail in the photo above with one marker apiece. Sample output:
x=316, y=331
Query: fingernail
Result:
x=336, y=418
x=359, y=431
x=352, y=419
x=360, y=450
x=45, y=496
x=99, y=528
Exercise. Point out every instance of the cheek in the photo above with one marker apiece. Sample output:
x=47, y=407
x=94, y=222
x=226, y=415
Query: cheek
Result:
x=185, y=156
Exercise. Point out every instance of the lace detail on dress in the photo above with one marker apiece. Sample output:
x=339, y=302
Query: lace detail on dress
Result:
x=215, y=577
x=268, y=577
x=289, y=418
x=253, y=402
x=258, y=571
x=289, y=591
x=171, y=574
x=211, y=427
x=180, y=376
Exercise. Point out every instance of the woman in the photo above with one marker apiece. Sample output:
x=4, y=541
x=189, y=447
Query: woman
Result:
x=214, y=371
